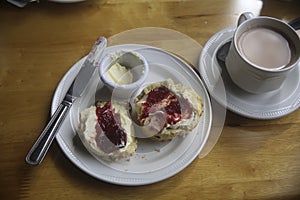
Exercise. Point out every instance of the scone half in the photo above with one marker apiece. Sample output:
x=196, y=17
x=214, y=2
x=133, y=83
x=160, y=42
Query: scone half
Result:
x=106, y=130
x=166, y=110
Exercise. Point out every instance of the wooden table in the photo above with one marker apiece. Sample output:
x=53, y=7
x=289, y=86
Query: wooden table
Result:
x=253, y=159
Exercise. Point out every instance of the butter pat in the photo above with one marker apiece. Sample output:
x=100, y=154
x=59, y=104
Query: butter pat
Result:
x=119, y=74
x=123, y=72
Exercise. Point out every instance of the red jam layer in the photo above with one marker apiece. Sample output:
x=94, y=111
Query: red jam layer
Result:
x=110, y=135
x=162, y=99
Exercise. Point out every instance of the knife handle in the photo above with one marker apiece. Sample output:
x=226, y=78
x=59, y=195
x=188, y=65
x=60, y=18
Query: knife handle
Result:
x=39, y=149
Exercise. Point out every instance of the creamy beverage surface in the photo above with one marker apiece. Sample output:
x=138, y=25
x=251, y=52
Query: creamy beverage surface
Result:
x=265, y=48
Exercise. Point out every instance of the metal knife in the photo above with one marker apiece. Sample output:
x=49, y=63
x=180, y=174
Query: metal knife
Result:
x=39, y=149
x=21, y=3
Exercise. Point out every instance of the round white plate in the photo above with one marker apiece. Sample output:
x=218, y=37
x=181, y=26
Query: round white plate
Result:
x=270, y=105
x=153, y=161
x=66, y=1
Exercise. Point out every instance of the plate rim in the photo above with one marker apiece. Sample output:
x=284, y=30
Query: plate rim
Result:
x=66, y=1
x=58, y=93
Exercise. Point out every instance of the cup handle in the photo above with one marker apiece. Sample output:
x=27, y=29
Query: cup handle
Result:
x=245, y=16
x=295, y=23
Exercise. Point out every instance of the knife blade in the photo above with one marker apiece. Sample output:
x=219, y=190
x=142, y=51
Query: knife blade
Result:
x=39, y=149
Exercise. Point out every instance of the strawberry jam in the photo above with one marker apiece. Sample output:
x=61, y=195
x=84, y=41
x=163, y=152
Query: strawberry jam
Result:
x=162, y=99
x=110, y=135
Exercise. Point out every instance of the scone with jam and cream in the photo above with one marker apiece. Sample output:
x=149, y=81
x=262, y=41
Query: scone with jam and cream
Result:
x=165, y=110
x=106, y=130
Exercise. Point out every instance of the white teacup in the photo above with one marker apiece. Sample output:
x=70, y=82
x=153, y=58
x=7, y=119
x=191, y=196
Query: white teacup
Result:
x=262, y=53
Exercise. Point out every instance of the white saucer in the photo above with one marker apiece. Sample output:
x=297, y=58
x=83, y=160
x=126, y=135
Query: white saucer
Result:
x=270, y=105
x=153, y=161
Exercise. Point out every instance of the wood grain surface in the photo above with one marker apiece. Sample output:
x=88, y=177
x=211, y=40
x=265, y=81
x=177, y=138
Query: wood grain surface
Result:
x=253, y=159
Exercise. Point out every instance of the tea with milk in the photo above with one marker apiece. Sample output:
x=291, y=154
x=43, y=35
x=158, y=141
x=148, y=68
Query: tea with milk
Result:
x=265, y=48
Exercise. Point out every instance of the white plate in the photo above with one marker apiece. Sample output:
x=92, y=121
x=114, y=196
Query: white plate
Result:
x=270, y=105
x=153, y=161
x=66, y=1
